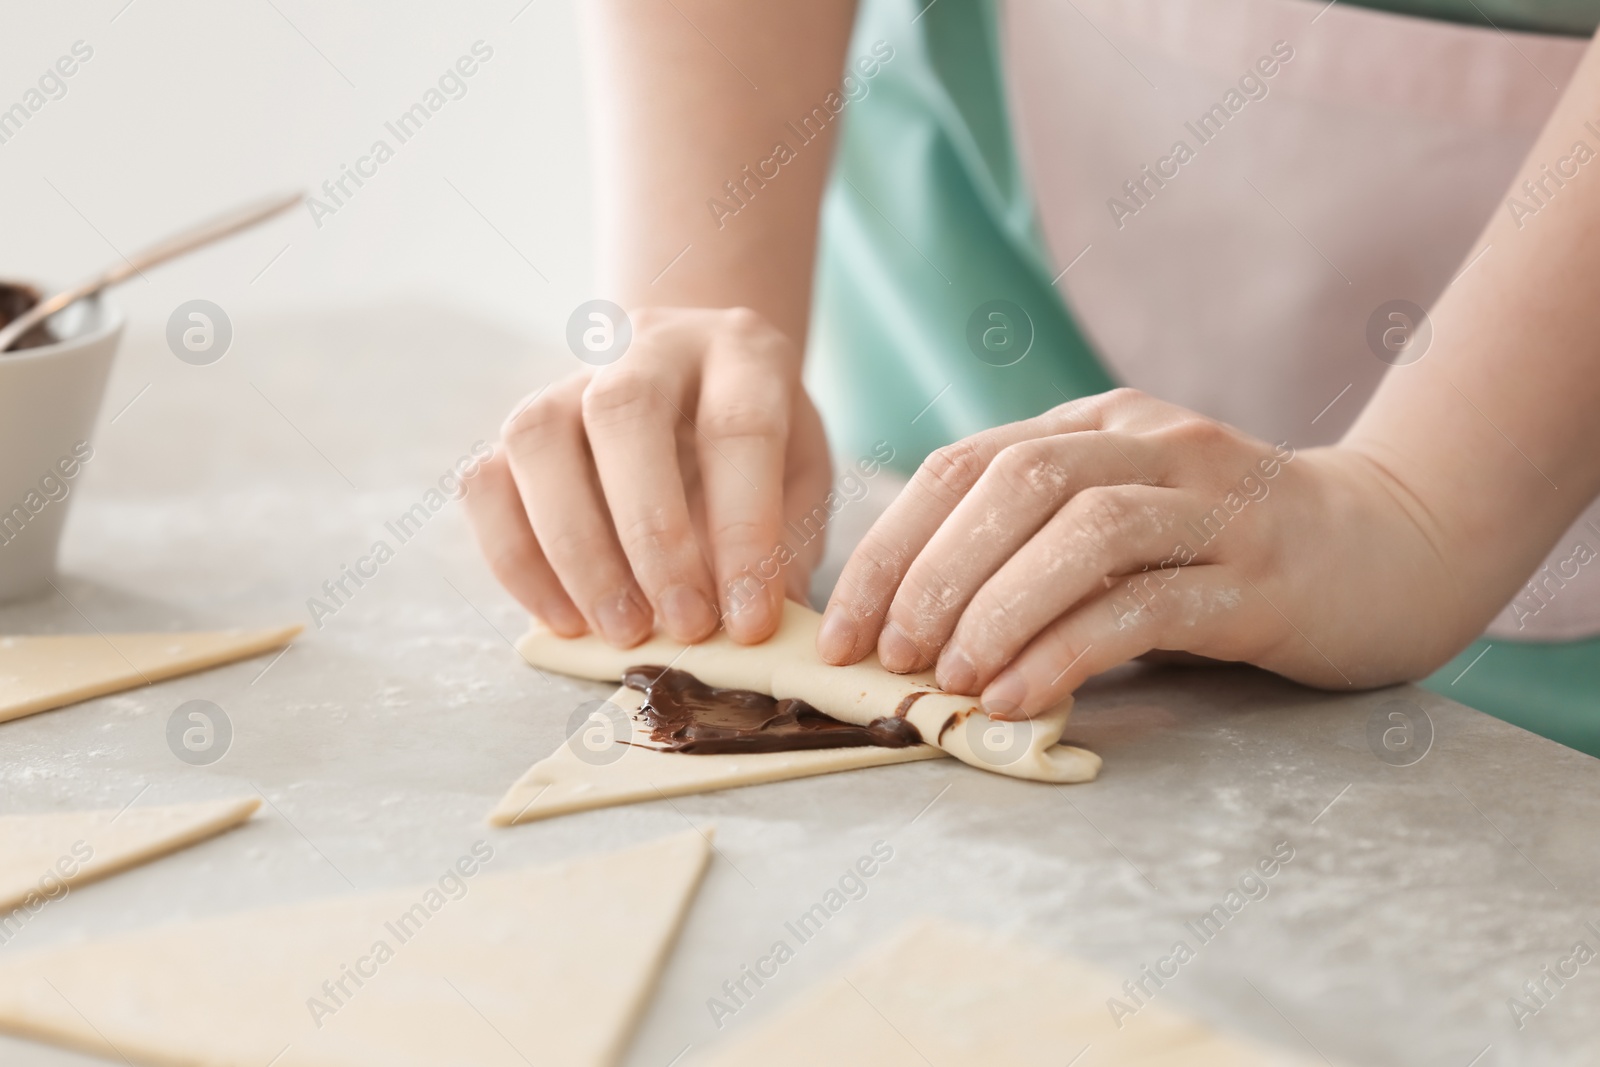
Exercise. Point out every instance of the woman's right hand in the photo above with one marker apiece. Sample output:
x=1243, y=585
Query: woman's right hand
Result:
x=655, y=488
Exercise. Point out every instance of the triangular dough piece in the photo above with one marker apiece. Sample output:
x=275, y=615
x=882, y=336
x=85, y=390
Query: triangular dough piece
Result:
x=39, y=854
x=575, y=779
x=545, y=965
x=53, y=670
x=787, y=665
x=947, y=994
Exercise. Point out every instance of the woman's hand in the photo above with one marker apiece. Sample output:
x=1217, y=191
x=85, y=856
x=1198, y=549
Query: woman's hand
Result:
x=1025, y=559
x=654, y=488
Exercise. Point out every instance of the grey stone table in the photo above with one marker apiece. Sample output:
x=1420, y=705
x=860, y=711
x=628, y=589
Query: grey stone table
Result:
x=1419, y=898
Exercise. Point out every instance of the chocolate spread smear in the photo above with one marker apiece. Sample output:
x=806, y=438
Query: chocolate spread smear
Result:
x=16, y=301
x=686, y=715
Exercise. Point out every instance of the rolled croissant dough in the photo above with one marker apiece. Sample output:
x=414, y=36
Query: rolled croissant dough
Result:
x=787, y=666
x=54, y=670
x=592, y=770
x=545, y=965
x=958, y=997
x=40, y=852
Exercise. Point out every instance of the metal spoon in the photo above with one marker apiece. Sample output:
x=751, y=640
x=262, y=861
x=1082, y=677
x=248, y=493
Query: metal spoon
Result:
x=212, y=230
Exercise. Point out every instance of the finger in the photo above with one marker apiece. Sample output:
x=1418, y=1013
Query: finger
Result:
x=865, y=589
x=1101, y=533
x=550, y=463
x=1021, y=492
x=742, y=433
x=1199, y=609
x=807, y=481
x=500, y=525
x=631, y=414
x=860, y=601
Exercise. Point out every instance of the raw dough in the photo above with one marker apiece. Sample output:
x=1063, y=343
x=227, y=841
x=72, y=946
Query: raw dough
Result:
x=545, y=965
x=787, y=665
x=576, y=778
x=54, y=670
x=38, y=853
x=947, y=994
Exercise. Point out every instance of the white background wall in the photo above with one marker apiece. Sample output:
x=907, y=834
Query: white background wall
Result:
x=189, y=107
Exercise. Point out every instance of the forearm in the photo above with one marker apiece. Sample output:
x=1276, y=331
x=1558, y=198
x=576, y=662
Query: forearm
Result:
x=1492, y=435
x=676, y=115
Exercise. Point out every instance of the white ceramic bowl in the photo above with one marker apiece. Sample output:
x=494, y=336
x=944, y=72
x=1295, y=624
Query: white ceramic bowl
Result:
x=49, y=400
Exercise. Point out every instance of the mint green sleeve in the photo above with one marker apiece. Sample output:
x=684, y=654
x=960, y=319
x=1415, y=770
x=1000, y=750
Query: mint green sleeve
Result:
x=926, y=218
x=1573, y=17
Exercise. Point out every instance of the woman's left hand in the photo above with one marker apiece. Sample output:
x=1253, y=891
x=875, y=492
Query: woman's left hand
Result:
x=1027, y=558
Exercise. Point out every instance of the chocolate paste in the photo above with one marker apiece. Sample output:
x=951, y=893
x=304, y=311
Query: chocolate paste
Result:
x=904, y=708
x=686, y=715
x=15, y=301
x=955, y=717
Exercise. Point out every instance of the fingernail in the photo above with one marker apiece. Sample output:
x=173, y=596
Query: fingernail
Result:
x=687, y=613
x=622, y=620
x=1003, y=699
x=956, y=674
x=896, y=651
x=836, y=640
x=747, y=613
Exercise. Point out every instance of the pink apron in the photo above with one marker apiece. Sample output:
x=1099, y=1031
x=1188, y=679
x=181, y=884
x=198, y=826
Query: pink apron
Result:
x=1235, y=188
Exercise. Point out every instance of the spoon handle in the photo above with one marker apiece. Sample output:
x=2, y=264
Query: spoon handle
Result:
x=187, y=241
